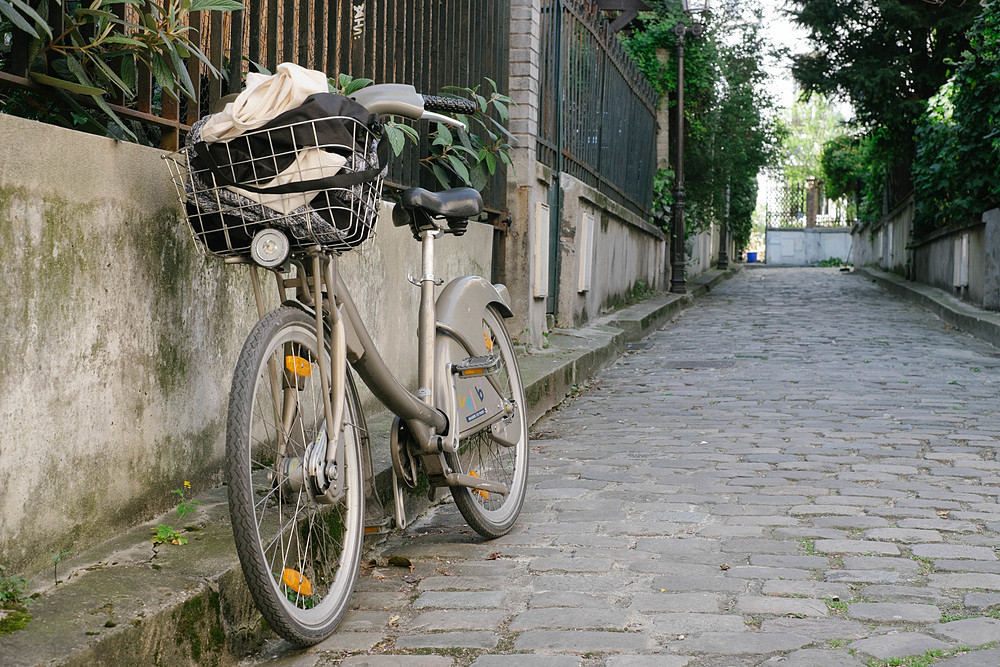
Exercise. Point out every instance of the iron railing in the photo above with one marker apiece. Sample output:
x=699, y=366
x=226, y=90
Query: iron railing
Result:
x=428, y=43
x=596, y=109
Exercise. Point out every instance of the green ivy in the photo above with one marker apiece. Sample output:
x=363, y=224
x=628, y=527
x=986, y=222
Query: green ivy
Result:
x=729, y=114
x=957, y=163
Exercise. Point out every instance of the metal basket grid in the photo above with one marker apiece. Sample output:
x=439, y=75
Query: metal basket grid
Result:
x=224, y=218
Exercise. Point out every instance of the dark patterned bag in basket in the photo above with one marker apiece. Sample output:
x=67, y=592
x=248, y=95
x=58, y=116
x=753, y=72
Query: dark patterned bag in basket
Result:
x=314, y=171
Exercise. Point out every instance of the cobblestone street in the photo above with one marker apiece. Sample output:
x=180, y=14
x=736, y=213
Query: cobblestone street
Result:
x=800, y=469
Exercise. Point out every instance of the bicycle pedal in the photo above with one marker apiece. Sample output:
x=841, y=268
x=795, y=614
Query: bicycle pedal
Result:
x=379, y=525
x=487, y=364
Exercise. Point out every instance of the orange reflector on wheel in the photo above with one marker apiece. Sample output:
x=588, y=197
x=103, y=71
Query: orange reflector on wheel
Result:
x=297, y=582
x=485, y=495
x=298, y=365
x=488, y=341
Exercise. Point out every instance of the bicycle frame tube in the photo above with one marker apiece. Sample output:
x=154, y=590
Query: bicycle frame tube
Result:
x=420, y=417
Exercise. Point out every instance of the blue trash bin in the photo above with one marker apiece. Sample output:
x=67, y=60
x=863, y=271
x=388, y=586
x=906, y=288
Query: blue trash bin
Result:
x=751, y=257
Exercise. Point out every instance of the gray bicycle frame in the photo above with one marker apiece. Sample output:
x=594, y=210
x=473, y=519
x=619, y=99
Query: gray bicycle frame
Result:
x=457, y=314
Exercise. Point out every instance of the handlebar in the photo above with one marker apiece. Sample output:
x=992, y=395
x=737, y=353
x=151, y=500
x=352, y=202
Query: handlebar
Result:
x=400, y=99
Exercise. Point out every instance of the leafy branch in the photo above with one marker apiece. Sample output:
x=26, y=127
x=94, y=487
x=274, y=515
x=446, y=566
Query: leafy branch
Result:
x=99, y=53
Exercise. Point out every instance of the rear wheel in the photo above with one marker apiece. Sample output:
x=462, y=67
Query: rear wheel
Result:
x=492, y=514
x=300, y=550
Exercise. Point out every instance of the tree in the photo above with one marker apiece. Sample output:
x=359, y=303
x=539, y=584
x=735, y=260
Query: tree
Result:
x=957, y=163
x=887, y=57
x=810, y=124
x=730, y=126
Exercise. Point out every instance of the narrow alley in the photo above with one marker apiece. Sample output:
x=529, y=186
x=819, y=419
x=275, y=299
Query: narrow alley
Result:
x=798, y=470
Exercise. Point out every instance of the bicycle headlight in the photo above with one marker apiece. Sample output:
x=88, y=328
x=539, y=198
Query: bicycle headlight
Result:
x=269, y=248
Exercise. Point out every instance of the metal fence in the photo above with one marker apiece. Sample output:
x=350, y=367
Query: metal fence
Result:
x=428, y=43
x=597, y=112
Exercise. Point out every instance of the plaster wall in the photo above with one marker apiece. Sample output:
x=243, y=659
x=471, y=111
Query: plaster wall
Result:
x=806, y=246
x=624, y=254
x=120, y=338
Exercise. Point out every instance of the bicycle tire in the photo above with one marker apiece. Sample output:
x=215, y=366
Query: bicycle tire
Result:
x=490, y=514
x=300, y=557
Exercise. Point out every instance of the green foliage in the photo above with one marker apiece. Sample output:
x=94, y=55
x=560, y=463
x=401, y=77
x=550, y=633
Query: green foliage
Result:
x=98, y=54
x=13, y=589
x=469, y=157
x=164, y=534
x=810, y=124
x=957, y=163
x=730, y=126
x=887, y=57
x=844, y=162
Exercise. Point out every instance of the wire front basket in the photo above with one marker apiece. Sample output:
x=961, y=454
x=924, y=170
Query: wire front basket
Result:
x=318, y=181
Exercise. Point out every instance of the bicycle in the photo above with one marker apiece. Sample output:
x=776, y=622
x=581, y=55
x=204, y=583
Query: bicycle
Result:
x=297, y=493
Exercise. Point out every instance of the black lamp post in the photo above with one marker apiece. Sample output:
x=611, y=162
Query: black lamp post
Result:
x=696, y=11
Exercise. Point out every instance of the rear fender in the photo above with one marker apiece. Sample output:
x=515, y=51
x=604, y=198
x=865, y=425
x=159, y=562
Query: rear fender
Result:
x=471, y=404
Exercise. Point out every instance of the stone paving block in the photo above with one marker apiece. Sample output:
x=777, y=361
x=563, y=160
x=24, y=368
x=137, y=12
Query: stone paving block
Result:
x=755, y=546
x=693, y=623
x=885, y=563
x=582, y=641
x=460, y=600
x=824, y=510
x=780, y=606
x=850, y=522
x=742, y=643
x=361, y=621
x=677, y=602
x=719, y=530
x=571, y=564
x=986, y=582
x=657, y=660
x=909, y=594
x=988, y=658
x=863, y=576
x=752, y=572
x=953, y=551
x=908, y=535
x=559, y=618
x=855, y=547
x=814, y=657
x=898, y=645
x=808, y=533
x=799, y=562
x=438, y=620
x=811, y=589
x=480, y=639
x=944, y=525
x=518, y=660
x=817, y=629
x=459, y=583
x=981, y=601
x=567, y=599
x=970, y=631
x=349, y=641
x=397, y=661
x=889, y=612
x=718, y=584
x=985, y=566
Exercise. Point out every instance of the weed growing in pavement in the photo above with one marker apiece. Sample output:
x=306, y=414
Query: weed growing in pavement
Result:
x=13, y=600
x=836, y=606
x=164, y=534
x=808, y=546
x=56, y=559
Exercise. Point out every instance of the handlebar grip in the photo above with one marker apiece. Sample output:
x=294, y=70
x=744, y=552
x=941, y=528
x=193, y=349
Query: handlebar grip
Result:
x=449, y=104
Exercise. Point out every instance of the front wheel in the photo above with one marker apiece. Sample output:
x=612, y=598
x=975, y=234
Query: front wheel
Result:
x=300, y=550
x=481, y=455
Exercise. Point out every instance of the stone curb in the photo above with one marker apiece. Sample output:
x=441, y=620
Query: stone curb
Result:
x=977, y=322
x=127, y=602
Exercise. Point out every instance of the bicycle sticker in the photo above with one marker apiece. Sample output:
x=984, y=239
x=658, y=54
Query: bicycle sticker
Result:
x=473, y=402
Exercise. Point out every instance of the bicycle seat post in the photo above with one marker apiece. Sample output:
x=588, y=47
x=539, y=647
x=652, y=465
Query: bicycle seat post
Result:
x=427, y=324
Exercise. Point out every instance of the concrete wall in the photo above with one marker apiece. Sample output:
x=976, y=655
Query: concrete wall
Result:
x=625, y=250
x=806, y=246
x=120, y=338
x=962, y=260
x=620, y=253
